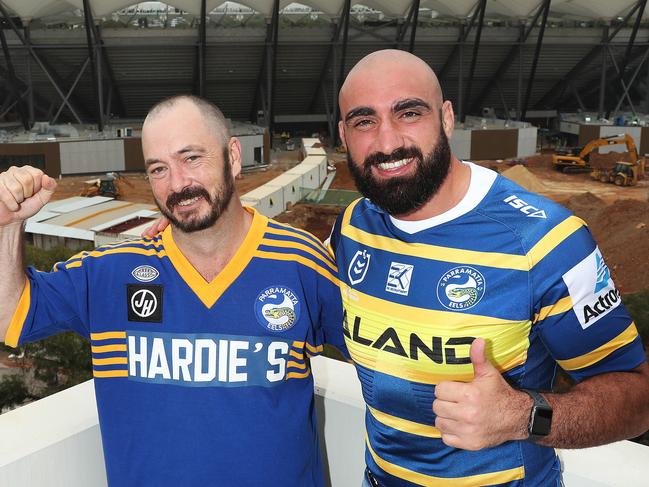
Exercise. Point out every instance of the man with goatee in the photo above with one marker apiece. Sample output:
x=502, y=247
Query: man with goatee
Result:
x=463, y=293
x=201, y=335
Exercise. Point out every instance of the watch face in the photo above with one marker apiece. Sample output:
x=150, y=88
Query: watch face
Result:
x=542, y=421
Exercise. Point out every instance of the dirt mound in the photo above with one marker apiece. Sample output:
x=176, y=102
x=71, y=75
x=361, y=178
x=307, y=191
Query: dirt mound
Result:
x=607, y=161
x=523, y=177
x=586, y=205
x=540, y=160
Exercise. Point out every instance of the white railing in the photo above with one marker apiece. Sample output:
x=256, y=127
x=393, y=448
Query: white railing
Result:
x=55, y=442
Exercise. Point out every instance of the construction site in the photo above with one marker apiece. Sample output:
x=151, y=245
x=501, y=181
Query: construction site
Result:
x=553, y=95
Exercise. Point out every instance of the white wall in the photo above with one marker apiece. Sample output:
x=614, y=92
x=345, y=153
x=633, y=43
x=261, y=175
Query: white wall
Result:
x=526, y=142
x=248, y=144
x=608, y=130
x=92, y=156
x=461, y=143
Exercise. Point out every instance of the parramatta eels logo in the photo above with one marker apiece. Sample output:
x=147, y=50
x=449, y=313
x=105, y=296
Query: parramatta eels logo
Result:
x=461, y=288
x=277, y=308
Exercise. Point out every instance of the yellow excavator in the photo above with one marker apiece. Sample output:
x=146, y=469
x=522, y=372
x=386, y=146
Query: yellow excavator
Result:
x=577, y=159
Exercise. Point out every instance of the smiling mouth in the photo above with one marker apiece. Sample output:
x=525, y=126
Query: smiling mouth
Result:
x=188, y=201
x=389, y=166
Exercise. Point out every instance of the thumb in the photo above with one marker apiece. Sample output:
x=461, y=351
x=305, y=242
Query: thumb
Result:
x=481, y=366
x=48, y=186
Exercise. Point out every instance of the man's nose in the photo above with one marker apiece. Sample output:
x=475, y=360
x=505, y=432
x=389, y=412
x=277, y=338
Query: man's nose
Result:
x=178, y=179
x=388, y=137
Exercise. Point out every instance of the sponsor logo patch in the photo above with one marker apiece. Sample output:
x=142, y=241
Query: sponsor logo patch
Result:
x=144, y=302
x=591, y=289
x=277, y=308
x=529, y=210
x=461, y=288
x=145, y=273
x=358, y=266
x=399, y=277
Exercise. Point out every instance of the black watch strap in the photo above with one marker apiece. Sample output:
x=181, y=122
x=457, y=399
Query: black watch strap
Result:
x=540, y=416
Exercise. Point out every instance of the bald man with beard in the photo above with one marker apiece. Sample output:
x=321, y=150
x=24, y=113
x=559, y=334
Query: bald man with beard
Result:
x=463, y=293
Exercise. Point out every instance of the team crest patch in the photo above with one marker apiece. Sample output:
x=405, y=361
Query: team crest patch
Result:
x=277, y=308
x=461, y=288
x=145, y=273
x=358, y=266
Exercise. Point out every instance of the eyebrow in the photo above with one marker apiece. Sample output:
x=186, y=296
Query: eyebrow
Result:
x=359, y=112
x=184, y=150
x=409, y=103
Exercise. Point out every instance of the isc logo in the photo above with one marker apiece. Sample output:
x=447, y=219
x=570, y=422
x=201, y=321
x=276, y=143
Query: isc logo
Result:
x=531, y=211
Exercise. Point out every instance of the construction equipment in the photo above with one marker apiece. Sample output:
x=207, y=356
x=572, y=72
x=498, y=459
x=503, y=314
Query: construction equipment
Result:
x=623, y=174
x=111, y=185
x=577, y=159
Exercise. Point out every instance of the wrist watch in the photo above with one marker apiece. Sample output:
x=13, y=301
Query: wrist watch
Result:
x=540, y=417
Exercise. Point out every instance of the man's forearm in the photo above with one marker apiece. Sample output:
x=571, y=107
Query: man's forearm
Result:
x=603, y=409
x=13, y=278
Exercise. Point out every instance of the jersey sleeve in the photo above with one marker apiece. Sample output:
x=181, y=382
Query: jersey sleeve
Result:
x=579, y=313
x=51, y=302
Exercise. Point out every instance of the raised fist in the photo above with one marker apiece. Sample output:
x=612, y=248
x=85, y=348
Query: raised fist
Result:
x=23, y=192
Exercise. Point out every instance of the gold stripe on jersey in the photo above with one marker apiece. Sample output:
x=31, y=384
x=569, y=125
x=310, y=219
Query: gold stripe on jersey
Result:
x=404, y=425
x=297, y=355
x=313, y=350
x=120, y=250
x=299, y=246
x=560, y=307
x=385, y=336
x=590, y=358
x=289, y=231
x=110, y=361
x=108, y=335
x=108, y=348
x=210, y=292
x=298, y=375
x=436, y=252
x=103, y=374
x=348, y=213
x=296, y=365
x=20, y=315
x=553, y=238
x=492, y=478
x=262, y=254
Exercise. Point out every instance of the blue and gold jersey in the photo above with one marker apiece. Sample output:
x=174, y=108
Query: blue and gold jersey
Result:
x=504, y=264
x=198, y=383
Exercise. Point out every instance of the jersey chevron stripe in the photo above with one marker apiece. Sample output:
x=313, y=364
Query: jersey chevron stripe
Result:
x=103, y=374
x=296, y=365
x=493, y=478
x=404, y=425
x=298, y=375
x=110, y=361
x=435, y=252
x=624, y=338
x=553, y=238
x=119, y=250
x=108, y=348
x=210, y=292
x=447, y=320
x=279, y=229
x=561, y=306
x=294, y=245
x=108, y=335
x=262, y=254
x=19, y=316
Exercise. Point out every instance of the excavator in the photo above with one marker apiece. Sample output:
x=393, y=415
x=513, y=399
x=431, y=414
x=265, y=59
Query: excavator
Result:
x=577, y=159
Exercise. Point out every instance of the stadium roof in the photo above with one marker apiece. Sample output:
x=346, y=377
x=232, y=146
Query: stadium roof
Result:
x=588, y=9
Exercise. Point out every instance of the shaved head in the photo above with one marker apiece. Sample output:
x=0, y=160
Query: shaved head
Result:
x=380, y=64
x=211, y=114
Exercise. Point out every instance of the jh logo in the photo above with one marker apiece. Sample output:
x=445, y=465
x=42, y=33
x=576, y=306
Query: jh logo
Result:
x=145, y=303
x=358, y=266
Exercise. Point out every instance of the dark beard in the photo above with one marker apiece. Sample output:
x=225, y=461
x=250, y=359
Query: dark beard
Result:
x=405, y=194
x=218, y=204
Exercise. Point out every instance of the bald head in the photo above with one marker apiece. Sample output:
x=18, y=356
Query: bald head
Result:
x=196, y=106
x=384, y=66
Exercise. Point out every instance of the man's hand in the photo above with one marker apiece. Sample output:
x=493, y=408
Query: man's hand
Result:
x=482, y=413
x=23, y=192
x=156, y=227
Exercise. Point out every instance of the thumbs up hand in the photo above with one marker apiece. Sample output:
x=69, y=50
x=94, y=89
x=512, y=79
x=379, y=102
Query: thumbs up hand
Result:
x=483, y=413
x=23, y=192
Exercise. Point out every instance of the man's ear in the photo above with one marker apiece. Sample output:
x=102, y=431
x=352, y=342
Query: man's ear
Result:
x=448, y=118
x=234, y=151
x=341, y=132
